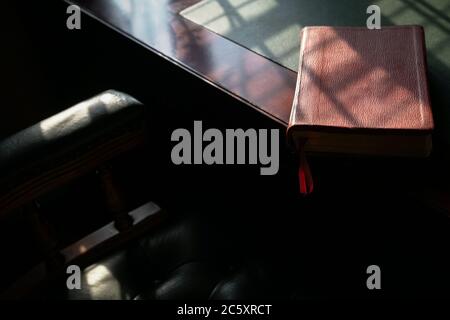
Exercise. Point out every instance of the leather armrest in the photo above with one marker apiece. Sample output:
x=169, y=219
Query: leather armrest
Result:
x=76, y=133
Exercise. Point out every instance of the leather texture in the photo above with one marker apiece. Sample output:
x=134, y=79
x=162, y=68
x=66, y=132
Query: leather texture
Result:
x=65, y=134
x=182, y=260
x=358, y=78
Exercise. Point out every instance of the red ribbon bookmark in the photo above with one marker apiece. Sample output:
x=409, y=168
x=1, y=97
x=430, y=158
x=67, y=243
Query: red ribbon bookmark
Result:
x=304, y=173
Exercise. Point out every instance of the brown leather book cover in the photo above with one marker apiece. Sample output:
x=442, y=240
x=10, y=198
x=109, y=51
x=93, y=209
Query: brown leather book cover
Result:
x=362, y=91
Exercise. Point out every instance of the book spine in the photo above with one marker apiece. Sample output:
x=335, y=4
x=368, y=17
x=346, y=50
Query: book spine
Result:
x=295, y=102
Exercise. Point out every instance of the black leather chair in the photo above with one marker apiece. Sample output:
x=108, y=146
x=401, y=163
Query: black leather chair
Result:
x=142, y=255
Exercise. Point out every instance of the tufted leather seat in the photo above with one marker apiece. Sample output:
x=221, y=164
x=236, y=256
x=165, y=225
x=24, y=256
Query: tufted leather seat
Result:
x=182, y=260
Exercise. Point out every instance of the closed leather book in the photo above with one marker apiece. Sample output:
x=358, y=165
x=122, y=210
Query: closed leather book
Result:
x=362, y=91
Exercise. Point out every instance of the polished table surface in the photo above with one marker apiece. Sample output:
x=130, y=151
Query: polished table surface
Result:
x=268, y=85
x=271, y=27
x=262, y=84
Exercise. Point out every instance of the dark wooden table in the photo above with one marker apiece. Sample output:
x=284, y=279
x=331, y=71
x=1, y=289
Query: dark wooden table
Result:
x=255, y=80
